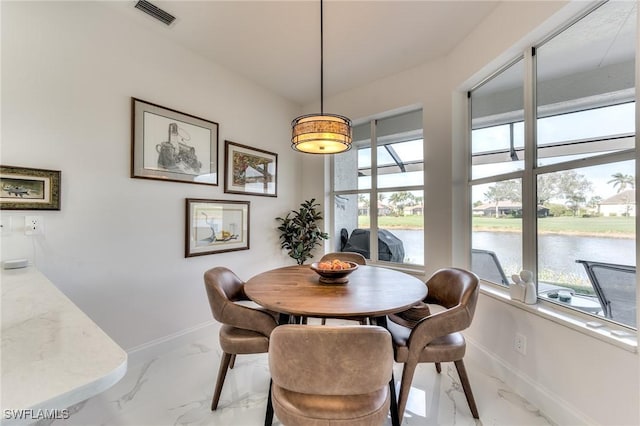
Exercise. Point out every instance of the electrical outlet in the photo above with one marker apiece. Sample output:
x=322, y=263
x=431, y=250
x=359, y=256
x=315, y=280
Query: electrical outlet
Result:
x=5, y=225
x=33, y=225
x=520, y=343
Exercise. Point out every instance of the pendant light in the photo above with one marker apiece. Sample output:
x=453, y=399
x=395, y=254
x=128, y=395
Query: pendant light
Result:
x=321, y=133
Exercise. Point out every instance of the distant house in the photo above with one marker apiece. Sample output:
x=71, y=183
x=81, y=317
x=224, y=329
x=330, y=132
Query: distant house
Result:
x=417, y=210
x=506, y=208
x=383, y=209
x=363, y=209
x=622, y=204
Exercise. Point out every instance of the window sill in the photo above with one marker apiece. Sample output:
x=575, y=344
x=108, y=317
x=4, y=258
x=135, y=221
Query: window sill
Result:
x=622, y=337
x=415, y=270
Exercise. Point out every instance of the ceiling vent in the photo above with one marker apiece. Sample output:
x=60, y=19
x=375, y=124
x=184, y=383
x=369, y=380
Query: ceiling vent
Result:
x=154, y=11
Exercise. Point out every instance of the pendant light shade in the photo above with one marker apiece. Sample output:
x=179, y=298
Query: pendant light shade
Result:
x=321, y=133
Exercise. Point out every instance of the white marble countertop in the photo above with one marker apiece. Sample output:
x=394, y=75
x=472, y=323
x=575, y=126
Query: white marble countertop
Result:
x=53, y=354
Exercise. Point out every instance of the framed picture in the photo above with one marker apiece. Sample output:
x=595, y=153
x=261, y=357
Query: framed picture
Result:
x=249, y=170
x=29, y=189
x=173, y=146
x=216, y=226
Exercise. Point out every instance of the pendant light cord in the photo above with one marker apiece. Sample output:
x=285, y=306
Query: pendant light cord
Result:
x=321, y=63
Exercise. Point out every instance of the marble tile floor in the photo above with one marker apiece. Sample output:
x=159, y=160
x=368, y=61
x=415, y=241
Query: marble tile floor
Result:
x=176, y=389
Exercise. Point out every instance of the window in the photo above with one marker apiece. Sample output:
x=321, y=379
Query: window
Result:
x=497, y=151
x=378, y=191
x=553, y=191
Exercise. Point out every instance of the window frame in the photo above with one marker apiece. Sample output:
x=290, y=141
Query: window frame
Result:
x=532, y=170
x=373, y=143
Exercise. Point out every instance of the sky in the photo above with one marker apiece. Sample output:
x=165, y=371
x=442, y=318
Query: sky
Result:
x=589, y=124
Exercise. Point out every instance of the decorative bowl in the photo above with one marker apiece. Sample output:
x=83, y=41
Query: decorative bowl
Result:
x=334, y=276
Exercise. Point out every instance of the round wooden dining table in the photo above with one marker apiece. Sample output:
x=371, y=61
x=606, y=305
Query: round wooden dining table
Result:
x=370, y=292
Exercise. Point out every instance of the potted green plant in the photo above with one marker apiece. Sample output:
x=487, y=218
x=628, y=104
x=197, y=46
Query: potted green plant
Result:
x=299, y=231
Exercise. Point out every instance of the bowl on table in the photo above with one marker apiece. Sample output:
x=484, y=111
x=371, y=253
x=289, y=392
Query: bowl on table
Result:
x=334, y=276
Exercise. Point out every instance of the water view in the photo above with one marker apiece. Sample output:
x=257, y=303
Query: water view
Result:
x=558, y=252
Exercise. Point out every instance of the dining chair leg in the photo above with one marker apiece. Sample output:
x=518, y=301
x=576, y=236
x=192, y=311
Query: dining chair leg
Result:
x=464, y=380
x=380, y=321
x=222, y=373
x=405, y=385
x=395, y=421
x=233, y=361
x=324, y=321
x=284, y=319
x=438, y=367
x=268, y=417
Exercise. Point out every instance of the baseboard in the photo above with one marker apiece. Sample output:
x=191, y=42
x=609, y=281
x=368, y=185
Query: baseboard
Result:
x=150, y=350
x=553, y=406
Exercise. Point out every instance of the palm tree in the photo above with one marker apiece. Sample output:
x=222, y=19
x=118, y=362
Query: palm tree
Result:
x=621, y=181
x=400, y=199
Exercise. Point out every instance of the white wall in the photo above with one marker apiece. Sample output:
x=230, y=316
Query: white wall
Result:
x=571, y=377
x=116, y=247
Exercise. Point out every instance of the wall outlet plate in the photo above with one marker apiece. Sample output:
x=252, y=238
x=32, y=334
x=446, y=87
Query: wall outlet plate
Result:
x=33, y=225
x=520, y=343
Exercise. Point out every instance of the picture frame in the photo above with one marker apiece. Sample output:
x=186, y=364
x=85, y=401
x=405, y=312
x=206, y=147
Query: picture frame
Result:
x=23, y=188
x=250, y=171
x=171, y=145
x=216, y=226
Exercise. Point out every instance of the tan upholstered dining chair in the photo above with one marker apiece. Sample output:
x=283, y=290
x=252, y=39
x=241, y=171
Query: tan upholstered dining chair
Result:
x=436, y=337
x=347, y=256
x=324, y=375
x=244, y=330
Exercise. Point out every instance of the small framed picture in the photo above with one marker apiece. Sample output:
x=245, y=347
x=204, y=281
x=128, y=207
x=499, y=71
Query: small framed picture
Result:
x=173, y=146
x=250, y=171
x=216, y=226
x=29, y=189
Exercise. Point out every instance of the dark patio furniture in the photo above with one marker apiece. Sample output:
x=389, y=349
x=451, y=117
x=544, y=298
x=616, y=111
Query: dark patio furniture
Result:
x=486, y=265
x=390, y=247
x=615, y=286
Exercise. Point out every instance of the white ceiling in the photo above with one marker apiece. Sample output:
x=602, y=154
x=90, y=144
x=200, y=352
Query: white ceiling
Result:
x=277, y=43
